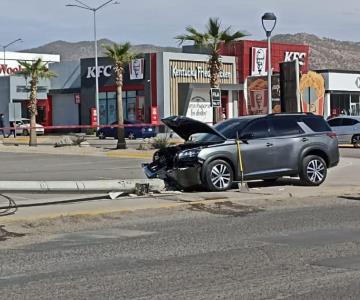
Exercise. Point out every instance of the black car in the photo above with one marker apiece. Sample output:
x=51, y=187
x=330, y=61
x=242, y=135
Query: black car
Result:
x=133, y=130
x=249, y=148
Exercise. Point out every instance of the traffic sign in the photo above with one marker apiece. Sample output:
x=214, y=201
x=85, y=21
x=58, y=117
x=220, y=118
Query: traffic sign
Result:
x=215, y=97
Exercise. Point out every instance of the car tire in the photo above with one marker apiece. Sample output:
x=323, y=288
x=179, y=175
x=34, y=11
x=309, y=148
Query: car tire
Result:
x=356, y=141
x=219, y=176
x=313, y=170
x=101, y=136
x=25, y=132
x=131, y=136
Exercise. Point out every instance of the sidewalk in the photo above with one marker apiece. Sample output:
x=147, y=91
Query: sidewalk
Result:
x=46, y=146
x=267, y=197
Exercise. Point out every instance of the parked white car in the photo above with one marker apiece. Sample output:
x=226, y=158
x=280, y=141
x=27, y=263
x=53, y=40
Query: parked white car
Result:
x=23, y=127
x=347, y=129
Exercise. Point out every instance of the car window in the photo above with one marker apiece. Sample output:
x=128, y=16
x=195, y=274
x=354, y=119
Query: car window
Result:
x=285, y=126
x=257, y=129
x=231, y=128
x=316, y=124
x=335, y=122
x=349, y=122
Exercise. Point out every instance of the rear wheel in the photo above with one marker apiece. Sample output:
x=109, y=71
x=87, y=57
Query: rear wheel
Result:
x=101, y=135
x=313, y=170
x=25, y=132
x=356, y=141
x=219, y=176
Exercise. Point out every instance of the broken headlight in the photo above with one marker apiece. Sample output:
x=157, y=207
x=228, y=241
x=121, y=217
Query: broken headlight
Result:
x=189, y=154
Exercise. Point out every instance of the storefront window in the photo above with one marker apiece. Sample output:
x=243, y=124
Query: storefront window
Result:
x=107, y=107
x=131, y=105
x=345, y=104
x=355, y=105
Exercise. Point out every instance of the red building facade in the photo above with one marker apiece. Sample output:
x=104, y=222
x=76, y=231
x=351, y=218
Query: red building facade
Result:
x=246, y=60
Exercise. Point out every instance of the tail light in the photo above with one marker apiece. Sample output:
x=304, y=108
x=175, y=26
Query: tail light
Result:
x=331, y=135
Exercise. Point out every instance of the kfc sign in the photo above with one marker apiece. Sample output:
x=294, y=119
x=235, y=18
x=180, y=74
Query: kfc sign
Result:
x=105, y=70
x=258, y=61
x=5, y=70
x=291, y=56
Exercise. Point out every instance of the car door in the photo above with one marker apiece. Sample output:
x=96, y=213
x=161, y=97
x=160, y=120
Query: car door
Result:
x=288, y=139
x=256, y=149
x=336, y=126
x=350, y=127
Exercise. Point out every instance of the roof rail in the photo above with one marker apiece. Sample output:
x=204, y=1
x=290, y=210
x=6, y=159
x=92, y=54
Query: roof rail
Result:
x=290, y=113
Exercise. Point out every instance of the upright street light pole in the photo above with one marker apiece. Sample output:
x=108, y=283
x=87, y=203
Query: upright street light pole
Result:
x=94, y=10
x=13, y=42
x=268, y=22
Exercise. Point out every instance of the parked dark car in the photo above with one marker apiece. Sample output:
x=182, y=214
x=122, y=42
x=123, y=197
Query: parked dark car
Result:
x=347, y=129
x=269, y=146
x=135, y=130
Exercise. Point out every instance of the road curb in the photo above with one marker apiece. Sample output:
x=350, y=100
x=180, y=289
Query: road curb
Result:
x=261, y=200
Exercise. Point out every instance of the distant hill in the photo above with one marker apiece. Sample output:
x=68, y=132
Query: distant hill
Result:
x=74, y=51
x=325, y=53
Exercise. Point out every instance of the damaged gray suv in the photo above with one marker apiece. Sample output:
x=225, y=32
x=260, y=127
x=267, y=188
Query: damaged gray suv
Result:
x=249, y=148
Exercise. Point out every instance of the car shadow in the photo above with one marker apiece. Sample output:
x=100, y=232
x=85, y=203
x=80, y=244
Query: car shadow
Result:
x=279, y=182
x=255, y=184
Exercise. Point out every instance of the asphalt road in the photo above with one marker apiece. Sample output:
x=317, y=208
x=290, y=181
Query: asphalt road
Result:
x=31, y=166
x=202, y=252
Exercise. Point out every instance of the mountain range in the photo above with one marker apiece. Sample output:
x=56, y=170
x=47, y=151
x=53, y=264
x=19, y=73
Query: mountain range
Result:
x=325, y=53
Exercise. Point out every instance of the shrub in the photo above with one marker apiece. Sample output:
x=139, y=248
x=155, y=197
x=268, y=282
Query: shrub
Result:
x=90, y=131
x=160, y=142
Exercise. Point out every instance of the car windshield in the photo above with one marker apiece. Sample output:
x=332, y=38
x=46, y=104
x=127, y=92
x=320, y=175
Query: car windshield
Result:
x=228, y=128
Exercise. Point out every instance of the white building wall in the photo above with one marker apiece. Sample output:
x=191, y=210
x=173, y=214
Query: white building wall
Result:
x=11, y=65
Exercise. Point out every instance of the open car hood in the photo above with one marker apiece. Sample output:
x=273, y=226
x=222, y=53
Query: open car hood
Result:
x=185, y=127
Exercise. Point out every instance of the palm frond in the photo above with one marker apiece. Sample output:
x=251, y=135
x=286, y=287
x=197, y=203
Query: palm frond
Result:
x=213, y=27
x=120, y=54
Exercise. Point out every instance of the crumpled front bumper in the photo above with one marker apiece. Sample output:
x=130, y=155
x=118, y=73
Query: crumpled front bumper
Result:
x=184, y=177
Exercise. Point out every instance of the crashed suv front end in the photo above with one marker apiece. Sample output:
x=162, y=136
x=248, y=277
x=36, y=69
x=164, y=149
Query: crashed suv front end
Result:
x=180, y=165
x=177, y=165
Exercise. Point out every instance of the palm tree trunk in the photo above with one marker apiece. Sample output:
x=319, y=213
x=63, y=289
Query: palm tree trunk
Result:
x=214, y=83
x=121, y=144
x=33, y=110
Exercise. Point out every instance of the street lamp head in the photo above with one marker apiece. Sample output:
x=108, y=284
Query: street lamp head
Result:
x=268, y=22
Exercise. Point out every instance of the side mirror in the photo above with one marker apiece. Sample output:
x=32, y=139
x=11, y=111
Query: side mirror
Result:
x=246, y=136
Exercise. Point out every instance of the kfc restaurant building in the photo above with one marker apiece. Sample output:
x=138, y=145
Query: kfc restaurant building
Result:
x=156, y=86
x=251, y=71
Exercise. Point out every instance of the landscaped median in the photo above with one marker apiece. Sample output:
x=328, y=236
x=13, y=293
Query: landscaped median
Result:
x=129, y=153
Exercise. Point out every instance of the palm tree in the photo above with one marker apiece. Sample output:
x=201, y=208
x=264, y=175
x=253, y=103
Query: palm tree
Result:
x=35, y=71
x=211, y=40
x=120, y=55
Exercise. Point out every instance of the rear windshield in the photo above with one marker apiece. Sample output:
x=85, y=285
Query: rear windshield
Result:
x=316, y=124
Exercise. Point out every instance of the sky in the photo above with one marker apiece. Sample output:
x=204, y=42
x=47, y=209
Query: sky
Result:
x=156, y=22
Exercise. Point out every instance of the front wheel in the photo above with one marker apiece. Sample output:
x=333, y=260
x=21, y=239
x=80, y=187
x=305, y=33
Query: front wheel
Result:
x=356, y=141
x=219, y=176
x=313, y=170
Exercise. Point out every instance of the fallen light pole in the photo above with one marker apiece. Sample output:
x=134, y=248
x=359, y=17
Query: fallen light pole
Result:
x=113, y=187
